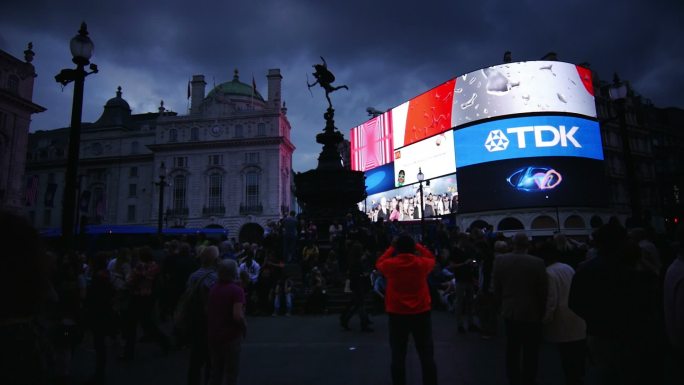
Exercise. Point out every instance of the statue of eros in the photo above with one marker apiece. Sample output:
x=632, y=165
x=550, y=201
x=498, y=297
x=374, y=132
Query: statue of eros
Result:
x=324, y=78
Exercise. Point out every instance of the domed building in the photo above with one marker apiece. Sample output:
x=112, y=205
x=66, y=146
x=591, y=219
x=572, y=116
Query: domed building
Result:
x=226, y=164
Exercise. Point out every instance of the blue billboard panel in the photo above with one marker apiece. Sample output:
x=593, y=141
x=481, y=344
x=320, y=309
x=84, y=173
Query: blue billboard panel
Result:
x=528, y=137
x=380, y=179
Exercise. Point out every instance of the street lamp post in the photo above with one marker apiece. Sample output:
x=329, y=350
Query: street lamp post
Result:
x=421, y=177
x=618, y=94
x=81, y=49
x=162, y=183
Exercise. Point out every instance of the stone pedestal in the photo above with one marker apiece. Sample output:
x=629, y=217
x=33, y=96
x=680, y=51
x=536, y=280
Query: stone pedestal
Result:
x=329, y=191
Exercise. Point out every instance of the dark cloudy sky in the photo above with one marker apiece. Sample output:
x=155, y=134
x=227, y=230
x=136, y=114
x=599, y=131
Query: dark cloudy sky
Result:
x=386, y=51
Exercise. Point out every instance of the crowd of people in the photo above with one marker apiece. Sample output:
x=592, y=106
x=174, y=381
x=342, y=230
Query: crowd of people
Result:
x=616, y=297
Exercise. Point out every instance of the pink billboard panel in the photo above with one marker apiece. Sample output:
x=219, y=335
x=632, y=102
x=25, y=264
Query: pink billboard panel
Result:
x=371, y=143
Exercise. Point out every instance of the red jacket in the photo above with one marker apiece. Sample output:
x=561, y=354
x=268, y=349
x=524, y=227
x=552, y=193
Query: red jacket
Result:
x=407, y=289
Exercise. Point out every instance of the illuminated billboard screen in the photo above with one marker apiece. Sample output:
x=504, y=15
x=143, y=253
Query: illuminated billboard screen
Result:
x=531, y=182
x=424, y=116
x=509, y=134
x=403, y=203
x=371, y=143
x=433, y=156
x=532, y=136
x=380, y=179
x=526, y=87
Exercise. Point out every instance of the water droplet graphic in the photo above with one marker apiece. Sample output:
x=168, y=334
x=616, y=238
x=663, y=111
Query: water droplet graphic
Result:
x=561, y=97
x=477, y=106
x=479, y=84
x=469, y=103
x=459, y=90
x=485, y=110
x=472, y=80
x=464, y=77
x=526, y=98
x=547, y=67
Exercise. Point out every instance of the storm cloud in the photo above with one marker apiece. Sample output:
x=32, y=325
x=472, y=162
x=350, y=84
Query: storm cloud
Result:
x=385, y=51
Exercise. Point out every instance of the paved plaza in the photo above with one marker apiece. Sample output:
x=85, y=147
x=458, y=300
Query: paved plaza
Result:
x=315, y=350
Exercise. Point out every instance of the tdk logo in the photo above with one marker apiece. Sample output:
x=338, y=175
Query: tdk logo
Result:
x=544, y=136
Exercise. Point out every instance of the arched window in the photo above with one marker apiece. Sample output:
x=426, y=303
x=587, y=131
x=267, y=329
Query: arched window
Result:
x=261, y=129
x=544, y=222
x=510, y=223
x=194, y=133
x=574, y=222
x=595, y=222
x=173, y=135
x=179, y=193
x=215, y=191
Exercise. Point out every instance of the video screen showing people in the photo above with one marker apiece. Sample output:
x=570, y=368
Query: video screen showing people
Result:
x=440, y=197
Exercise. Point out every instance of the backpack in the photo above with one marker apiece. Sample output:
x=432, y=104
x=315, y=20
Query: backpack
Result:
x=188, y=307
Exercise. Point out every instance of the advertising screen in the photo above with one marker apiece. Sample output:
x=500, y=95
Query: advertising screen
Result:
x=534, y=136
x=371, y=143
x=439, y=197
x=518, y=88
x=517, y=135
x=424, y=116
x=380, y=179
x=433, y=156
x=531, y=182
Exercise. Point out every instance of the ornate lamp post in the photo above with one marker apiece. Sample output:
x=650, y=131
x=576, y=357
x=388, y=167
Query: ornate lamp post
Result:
x=81, y=49
x=162, y=183
x=421, y=177
x=618, y=94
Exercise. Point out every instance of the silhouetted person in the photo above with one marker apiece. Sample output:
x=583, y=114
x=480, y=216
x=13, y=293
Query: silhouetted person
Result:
x=24, y=290
x=674, y=303
x=519, y=282
x=406, y=266
x=619, y=300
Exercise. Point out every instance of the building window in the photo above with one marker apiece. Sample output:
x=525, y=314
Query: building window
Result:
x=132, y=190
x=180, y=162
x=134, y=147
x=47, y=218
x=215, y=191
x=194, y=133
x=252, y=157
x=13, y=83
x=261, y=129
x=179, y=190
x=131, y=213
x=238, y=131
x=133, y=172
x=215, y=160
x=252, y=189
x=173, y=135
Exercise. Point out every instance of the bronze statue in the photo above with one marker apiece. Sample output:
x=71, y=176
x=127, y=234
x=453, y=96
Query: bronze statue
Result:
x=324, y=78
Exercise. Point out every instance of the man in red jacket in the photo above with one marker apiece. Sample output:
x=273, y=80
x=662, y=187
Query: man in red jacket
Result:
x=406, y=266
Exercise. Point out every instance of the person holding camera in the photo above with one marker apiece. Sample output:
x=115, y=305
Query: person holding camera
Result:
x=406, y=266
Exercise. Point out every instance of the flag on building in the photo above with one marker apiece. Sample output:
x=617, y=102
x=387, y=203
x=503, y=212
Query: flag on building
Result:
x=31, y=191
x=84, y=201
x=50, y=195
x=253, y=90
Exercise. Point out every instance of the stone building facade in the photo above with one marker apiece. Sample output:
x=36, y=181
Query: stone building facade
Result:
x=16, y=107
x=228, y=162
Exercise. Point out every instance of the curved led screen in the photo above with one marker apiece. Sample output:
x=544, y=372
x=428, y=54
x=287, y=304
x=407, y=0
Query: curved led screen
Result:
x=508, y=133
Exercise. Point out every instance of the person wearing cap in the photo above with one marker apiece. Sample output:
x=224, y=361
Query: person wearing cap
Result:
x=406, y=266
